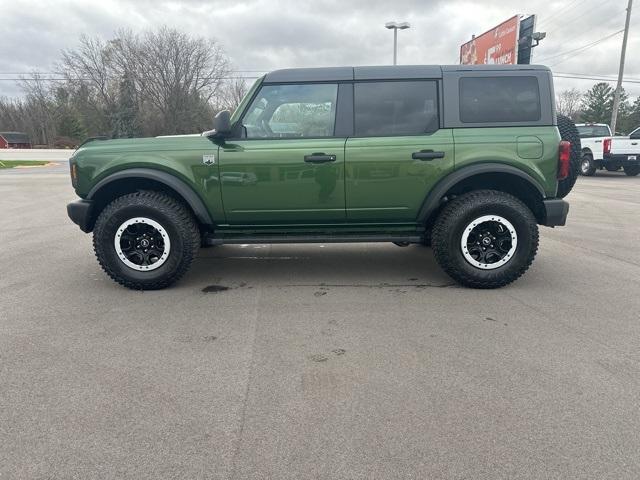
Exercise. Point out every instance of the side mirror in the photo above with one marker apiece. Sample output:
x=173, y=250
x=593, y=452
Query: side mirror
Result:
x=221, y=125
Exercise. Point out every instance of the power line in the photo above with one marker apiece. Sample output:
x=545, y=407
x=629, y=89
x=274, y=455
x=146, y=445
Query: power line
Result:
x=587, y=34
x=603, y=76
x=565, y=22
x=555, y=18
x=596, y=78
x=584, y=47
x=57, y=73
x=88, y=79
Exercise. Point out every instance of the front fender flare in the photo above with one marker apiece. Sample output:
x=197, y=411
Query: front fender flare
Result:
x=183, y=189
x=432, y=202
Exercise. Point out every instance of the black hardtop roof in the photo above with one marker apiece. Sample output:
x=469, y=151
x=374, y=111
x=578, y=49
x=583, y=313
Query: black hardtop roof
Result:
x=15, y=137
x=383, y=72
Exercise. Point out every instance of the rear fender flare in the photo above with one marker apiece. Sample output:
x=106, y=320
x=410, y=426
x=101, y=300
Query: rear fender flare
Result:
x=434, y=198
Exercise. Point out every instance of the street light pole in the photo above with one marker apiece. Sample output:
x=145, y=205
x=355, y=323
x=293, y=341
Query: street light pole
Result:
x=395, y=46
x=616, y=96
x=395, y=26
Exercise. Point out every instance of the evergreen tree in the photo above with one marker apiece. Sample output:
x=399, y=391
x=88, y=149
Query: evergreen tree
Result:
x=127, y=112
x=598, y=103
x=69, y=125
x=631, y=120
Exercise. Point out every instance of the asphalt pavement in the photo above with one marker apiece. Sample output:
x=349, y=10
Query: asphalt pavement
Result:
x=319, y=361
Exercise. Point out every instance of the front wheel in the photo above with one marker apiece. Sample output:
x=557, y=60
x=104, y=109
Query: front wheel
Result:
x=146, y=240
x=587, y=167
x=632, y=170
x=485, y=239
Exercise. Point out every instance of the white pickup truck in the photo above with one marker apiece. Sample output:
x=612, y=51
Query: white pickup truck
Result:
x=624, y=152
x=602, y=151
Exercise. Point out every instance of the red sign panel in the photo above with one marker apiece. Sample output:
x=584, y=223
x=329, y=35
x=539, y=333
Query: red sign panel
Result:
x=497, y=46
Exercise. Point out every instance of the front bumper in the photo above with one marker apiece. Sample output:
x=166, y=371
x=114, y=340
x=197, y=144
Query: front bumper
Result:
x=556, y=211
x=80, y=213
x=621, y=160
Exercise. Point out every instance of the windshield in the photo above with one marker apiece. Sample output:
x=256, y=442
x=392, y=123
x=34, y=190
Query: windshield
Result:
x=590, y=131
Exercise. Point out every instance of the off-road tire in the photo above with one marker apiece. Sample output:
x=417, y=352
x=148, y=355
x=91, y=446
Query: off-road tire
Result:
x=569, y=132
x=457, y=214
x=590, y=170
x=632, y=170
x=171, y=214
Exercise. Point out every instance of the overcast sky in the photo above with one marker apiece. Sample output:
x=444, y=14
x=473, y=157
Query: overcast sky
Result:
x=269, y=34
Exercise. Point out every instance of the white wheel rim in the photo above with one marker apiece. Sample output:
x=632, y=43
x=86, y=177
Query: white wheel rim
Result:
x=469, y=251
x=585, y=165
x=124, y=254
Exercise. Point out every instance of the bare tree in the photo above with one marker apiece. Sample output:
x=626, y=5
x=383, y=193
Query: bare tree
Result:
x=38, y=109
x=178, y=76
x=568, y=103
x=165, y=78
x=232, y=94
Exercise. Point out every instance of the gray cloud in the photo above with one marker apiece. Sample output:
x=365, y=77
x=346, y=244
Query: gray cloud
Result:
x=268, y=34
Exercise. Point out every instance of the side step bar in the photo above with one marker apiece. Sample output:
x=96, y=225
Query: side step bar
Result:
x=213, y=240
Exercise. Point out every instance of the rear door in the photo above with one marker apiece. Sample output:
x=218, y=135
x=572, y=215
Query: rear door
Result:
x=398, y=151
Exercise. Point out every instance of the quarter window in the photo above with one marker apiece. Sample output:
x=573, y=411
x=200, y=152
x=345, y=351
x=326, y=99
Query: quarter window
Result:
x=292, y=111
x=395, y=108
x=499, y=99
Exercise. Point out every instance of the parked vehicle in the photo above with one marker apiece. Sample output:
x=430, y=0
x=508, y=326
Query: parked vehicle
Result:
x=602, y=151
x=592, y=138
x=468, y=158
x=624, y=152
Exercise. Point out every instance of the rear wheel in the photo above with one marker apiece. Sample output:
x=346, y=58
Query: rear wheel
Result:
x=632, y=170
x=587, y=168
x=485, y=239
x=146, y=240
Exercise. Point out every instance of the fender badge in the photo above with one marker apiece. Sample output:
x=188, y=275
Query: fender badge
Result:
x=208, y=159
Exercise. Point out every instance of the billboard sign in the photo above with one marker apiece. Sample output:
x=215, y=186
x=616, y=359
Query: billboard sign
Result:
x=497, y=46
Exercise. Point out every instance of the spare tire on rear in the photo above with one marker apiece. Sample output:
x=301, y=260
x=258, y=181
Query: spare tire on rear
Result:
x=569, y=132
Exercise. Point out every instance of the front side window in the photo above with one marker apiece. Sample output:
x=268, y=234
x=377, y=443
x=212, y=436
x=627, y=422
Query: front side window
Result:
x=395, y=108
x=499, y=99
x=292, y=111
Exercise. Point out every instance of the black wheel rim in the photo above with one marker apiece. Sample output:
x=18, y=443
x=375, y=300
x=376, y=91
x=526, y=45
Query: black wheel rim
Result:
x=489, y=242
x=142, y=244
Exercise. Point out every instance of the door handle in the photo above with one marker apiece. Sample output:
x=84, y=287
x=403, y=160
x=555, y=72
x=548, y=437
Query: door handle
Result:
x=426, y=155
x=598, y=141
x=319, y=158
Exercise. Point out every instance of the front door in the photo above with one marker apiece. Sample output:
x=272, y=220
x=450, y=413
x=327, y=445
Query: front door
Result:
x=288, y=167
x=398, y=151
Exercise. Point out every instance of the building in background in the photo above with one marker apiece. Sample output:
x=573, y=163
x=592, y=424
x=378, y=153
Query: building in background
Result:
x=14, y=140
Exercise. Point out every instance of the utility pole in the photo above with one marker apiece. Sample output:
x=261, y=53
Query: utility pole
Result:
x=616, y=96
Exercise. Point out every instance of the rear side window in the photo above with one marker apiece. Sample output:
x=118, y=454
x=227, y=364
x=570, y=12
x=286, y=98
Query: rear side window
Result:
x=499, y=99
x=395, y=108
x=592, y=131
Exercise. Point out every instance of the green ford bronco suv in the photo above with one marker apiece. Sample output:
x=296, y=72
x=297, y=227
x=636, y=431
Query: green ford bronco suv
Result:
x=467, y=159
